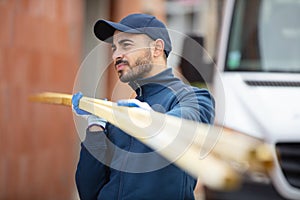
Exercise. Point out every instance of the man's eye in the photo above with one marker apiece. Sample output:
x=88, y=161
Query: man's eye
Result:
x=113, y=48
x=126, y=45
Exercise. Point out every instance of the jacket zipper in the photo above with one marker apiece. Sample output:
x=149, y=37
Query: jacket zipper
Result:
x=124, y=163
x=138, y=85
x=126, y=158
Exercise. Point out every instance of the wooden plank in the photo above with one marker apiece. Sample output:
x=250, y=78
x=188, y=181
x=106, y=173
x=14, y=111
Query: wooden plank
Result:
x=181, y=141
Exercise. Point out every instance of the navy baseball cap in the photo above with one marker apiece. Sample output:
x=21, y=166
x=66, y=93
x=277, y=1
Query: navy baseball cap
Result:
x=137, y=24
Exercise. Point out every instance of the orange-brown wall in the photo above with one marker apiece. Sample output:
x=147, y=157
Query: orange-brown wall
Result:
x=40, y=50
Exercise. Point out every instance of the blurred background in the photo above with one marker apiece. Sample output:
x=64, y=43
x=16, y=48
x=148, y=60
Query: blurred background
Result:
x=42, y=45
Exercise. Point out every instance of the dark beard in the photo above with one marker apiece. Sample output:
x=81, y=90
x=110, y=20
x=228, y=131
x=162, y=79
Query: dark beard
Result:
x=143, y=65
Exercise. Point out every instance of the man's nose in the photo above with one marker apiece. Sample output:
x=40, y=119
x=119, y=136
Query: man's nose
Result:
x=117, y=55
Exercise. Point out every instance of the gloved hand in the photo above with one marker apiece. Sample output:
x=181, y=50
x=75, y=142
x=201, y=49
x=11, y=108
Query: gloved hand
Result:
x=134, y=103
x=75, y=105
x=92, y=119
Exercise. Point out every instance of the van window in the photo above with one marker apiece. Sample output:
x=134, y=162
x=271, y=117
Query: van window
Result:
x=265, y=36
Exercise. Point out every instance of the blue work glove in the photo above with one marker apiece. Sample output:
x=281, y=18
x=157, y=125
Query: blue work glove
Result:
x=134, y=103
x=92, y=119
x=75, y=104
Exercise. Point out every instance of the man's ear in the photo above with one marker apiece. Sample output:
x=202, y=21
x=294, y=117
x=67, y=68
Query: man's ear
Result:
x=159, y=46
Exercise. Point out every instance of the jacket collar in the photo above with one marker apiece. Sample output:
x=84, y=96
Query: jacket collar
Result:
x=151, y=85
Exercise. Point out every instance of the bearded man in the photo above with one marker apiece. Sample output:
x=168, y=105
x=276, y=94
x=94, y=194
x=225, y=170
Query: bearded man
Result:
x=114, y=165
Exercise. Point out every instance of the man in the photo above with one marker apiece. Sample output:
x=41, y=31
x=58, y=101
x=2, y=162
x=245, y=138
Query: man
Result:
x=107, y=169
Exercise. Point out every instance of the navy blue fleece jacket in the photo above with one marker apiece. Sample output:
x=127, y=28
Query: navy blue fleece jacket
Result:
x=114, y=165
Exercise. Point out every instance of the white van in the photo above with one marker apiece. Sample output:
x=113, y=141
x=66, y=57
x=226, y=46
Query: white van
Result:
x=259, y=66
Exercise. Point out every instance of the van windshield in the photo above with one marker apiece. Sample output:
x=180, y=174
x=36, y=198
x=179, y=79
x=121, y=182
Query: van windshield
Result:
x=265, y=36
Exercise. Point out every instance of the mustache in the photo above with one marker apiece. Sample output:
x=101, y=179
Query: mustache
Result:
x=121, y=61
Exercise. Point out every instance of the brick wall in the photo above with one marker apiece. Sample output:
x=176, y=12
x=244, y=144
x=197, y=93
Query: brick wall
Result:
x=40, y=50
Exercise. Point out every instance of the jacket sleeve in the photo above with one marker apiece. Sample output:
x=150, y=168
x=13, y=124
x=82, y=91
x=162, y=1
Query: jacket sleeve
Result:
x=91, y=173
x=194, y=104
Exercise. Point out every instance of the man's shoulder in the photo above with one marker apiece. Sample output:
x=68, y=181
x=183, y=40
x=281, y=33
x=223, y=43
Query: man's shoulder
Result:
x=180, y=86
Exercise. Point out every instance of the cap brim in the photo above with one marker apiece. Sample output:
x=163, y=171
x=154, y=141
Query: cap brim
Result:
x=104, y=30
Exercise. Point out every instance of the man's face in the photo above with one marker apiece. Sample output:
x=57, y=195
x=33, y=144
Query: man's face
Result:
x=132, y=55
